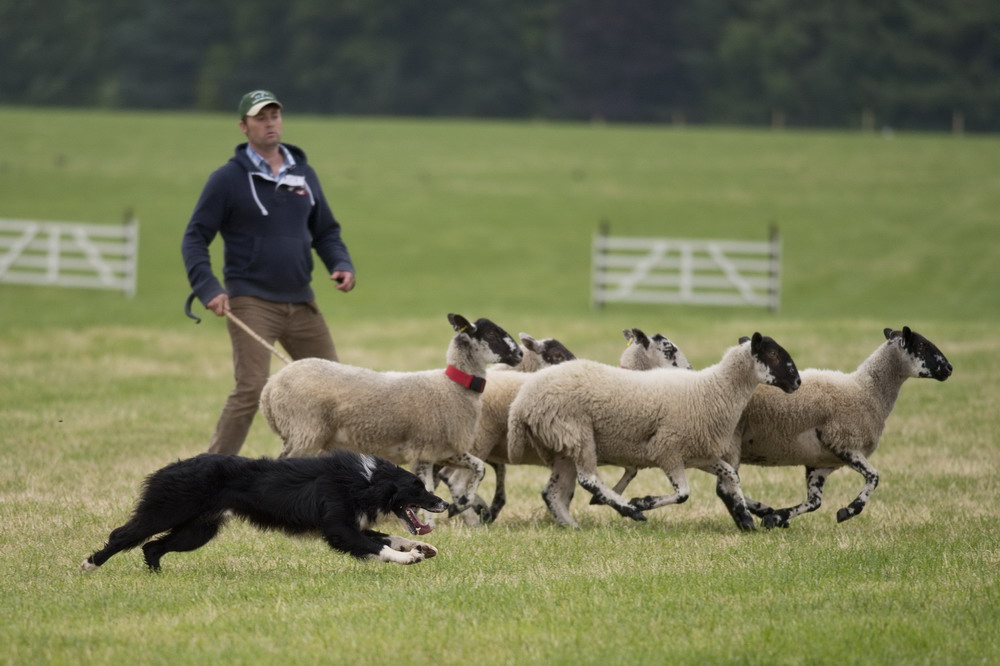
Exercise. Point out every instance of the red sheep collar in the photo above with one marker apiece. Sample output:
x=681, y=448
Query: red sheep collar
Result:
x=477, y=384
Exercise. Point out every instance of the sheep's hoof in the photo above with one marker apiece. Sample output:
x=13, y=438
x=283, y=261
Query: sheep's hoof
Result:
x=495, y=512
x=844, y=514
x=772, y=520
x=746, y=525
x=634, y=514
x=485, y=515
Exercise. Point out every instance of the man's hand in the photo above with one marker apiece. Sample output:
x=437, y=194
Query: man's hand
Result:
x=219, y=305
x=343, y=279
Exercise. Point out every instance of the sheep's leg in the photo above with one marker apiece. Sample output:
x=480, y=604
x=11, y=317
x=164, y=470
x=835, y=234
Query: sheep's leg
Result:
x=586, y=474
x=859, y=464
x=728, y=489
x=457, y=480
x=755, y=507
x=815, y=479
x=500, y=493
x=678, y=479
x=856, y=461
x=425, y=472
x=558, y=491
x=627, y=475
x=758, y=509
x=464, y=499
x=442, y=474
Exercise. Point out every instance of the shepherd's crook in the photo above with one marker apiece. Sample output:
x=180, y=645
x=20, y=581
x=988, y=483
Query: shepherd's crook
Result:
x=239, y=322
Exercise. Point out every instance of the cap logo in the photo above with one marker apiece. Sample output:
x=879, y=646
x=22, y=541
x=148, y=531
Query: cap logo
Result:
x=255, y=100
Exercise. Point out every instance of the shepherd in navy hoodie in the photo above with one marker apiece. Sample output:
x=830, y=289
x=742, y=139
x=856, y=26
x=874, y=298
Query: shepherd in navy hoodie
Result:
x=267, y=204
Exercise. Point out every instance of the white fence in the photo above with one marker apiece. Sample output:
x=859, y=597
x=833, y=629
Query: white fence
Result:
x=70, y=254
x=675, y=270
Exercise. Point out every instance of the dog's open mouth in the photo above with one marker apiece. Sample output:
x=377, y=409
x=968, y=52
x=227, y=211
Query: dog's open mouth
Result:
x=408, y=515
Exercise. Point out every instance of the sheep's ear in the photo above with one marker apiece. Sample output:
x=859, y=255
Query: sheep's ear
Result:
x=530, y=343
x=641, y=338
x=628, y=336
x=907, y=336
x=744, y=339
x=898, y=338
x=461, y=324
x=755, y=342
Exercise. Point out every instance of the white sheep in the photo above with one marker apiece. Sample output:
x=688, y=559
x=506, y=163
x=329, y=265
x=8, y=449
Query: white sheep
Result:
x=834, y=420
x=582, y=414
x=496, y=400
x=645, y=353
x=536, y=354
x=642, y=352
x=415, y=418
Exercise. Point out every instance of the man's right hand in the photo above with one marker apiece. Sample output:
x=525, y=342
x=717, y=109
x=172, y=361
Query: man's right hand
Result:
x=219, y=305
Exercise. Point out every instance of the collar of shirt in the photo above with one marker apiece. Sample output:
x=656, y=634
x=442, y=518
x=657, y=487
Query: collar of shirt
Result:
x=265, y=168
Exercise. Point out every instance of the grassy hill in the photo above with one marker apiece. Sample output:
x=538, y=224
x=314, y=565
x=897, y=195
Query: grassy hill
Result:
x=498, y=217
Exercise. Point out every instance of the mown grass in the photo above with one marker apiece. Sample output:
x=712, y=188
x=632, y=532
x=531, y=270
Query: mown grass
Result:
x=494, y=219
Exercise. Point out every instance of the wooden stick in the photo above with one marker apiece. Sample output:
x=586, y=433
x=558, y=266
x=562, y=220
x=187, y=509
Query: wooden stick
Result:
x=236, y=320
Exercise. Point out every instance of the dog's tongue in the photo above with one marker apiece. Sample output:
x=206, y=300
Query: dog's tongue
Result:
x=421, y=528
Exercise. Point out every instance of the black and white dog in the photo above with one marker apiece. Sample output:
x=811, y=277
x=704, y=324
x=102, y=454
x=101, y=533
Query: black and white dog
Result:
x=337, y=496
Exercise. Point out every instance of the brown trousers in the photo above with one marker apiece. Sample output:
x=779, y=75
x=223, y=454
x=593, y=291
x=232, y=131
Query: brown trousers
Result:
x=301, y=330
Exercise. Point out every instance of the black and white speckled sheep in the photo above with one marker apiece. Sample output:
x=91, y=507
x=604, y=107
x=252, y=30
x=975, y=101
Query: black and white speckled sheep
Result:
x=834, y=420
x=580, y=414
x=415, y=418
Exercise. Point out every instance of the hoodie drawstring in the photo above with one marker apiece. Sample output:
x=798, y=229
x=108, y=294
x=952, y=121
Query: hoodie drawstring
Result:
x=253, y=191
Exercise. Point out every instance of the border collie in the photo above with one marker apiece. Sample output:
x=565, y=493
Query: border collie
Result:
x=337, y=496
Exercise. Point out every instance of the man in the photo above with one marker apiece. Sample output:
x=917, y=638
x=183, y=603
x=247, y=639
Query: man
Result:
x=267, y=204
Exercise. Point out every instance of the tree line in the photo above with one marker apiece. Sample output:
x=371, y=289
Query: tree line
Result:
x=915, y=64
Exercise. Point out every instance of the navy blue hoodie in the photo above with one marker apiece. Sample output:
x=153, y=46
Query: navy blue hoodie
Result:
x=268, y=231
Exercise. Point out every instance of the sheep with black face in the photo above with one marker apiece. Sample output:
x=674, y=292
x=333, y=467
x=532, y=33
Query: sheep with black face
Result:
x=642, y=352
x=582, y=414
x=414, y=418
x=834, y=420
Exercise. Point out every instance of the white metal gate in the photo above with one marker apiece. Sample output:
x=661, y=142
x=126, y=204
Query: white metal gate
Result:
x=676, y=270
x=70, y=254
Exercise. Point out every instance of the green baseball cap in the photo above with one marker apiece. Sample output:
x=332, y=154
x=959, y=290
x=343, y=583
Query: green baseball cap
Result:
x=254, y=101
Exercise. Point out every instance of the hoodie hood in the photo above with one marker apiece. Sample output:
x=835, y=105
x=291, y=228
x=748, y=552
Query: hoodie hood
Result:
x=240, y=156
x=294, y=178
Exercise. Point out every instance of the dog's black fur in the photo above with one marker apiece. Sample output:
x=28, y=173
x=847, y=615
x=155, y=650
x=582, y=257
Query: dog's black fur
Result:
x=337, y=496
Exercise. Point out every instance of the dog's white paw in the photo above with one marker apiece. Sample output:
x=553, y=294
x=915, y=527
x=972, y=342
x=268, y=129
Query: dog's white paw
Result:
x=387, y=554
x=404, y=545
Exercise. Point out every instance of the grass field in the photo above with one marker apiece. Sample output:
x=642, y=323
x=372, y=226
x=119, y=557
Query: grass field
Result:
x=495, y=219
